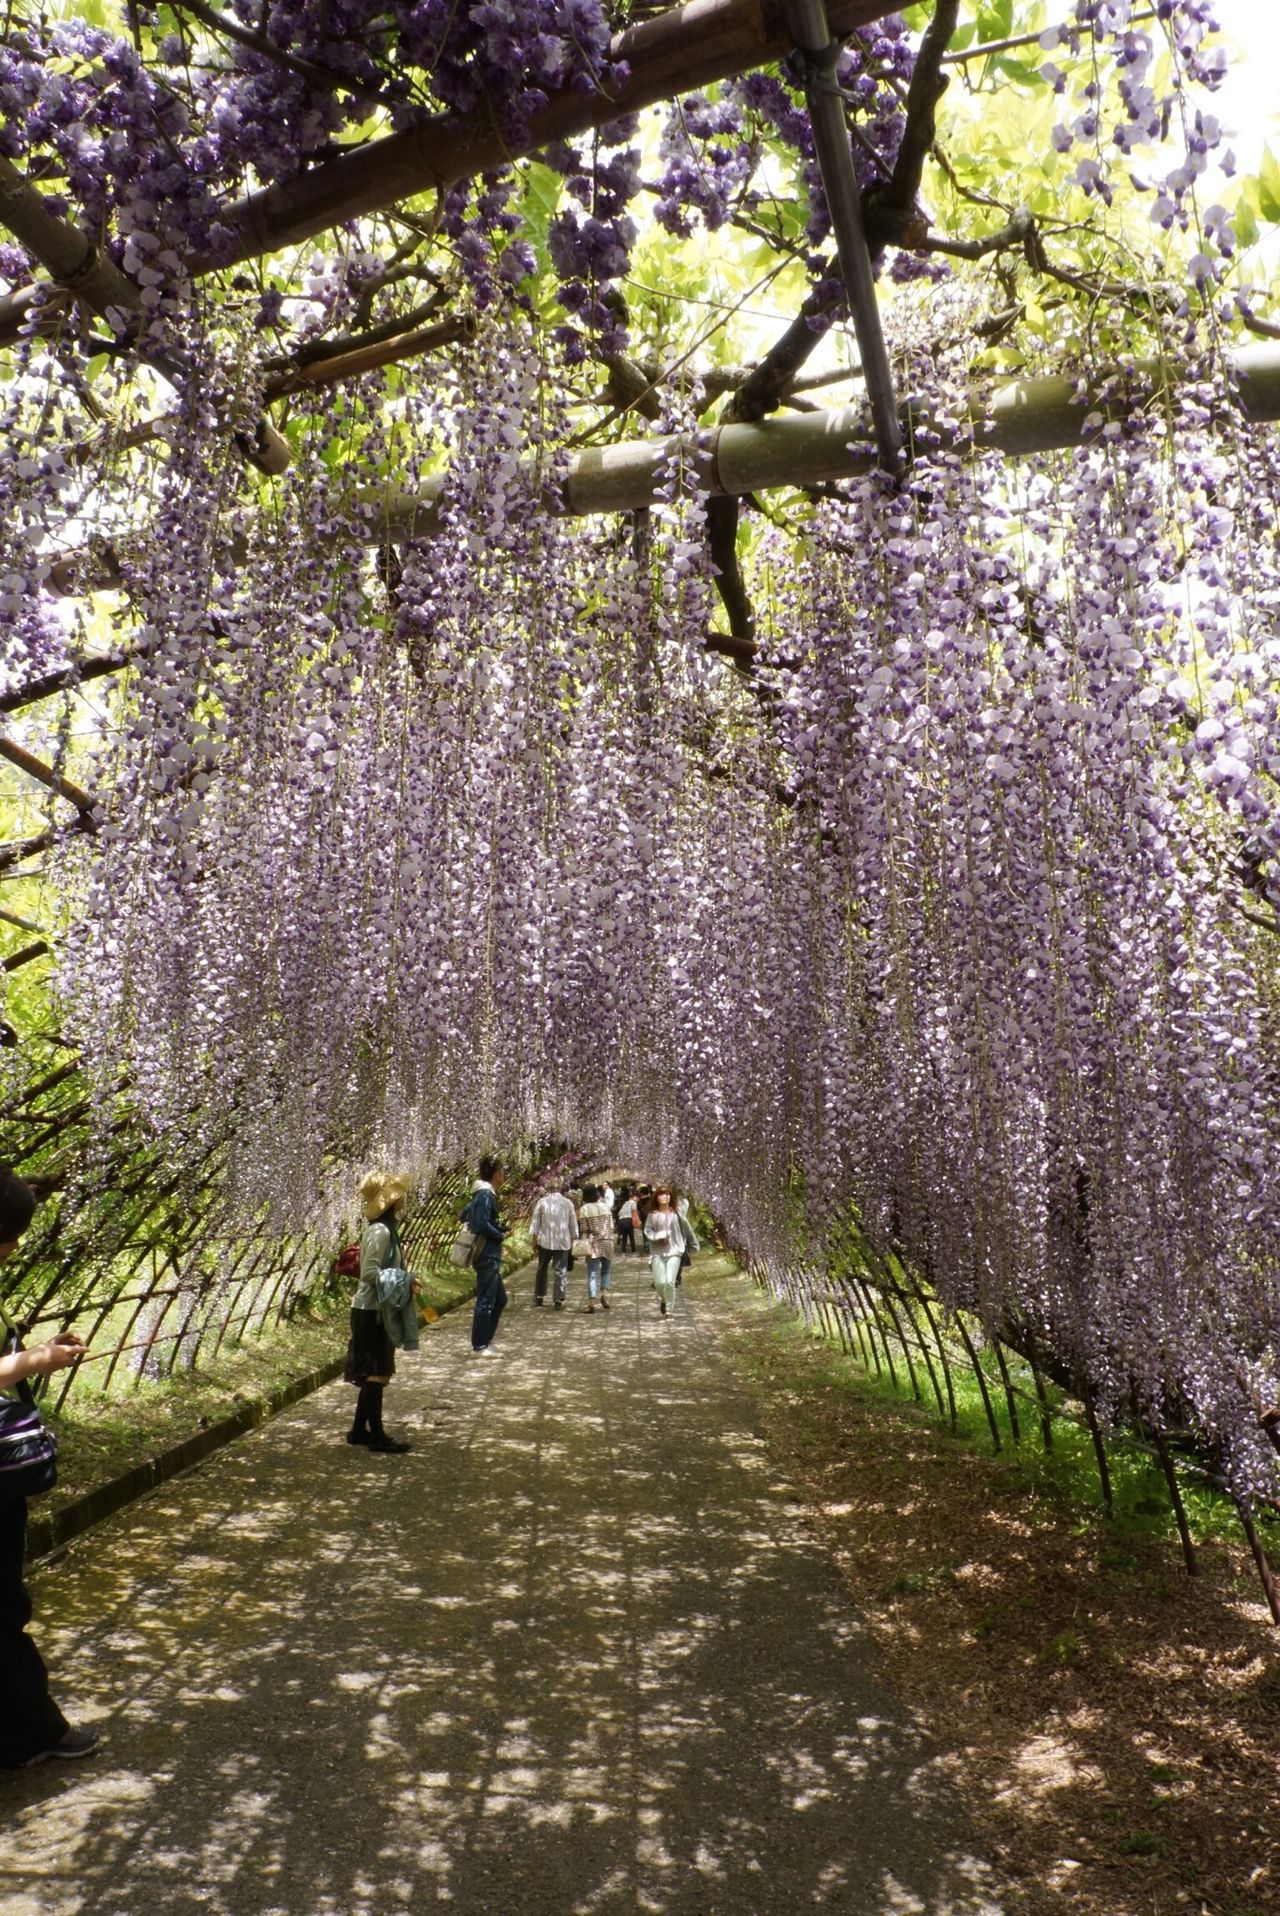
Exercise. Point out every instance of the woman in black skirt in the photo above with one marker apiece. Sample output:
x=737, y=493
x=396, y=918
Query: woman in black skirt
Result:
x=371, y=1358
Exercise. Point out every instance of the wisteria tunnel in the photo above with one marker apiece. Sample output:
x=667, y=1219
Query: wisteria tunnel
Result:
x=651, y=593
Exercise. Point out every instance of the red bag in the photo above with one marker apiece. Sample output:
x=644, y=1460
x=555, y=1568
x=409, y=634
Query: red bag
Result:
x=348, y=1262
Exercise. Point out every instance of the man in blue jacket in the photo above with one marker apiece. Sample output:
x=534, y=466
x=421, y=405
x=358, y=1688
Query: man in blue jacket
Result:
x=481, y=1216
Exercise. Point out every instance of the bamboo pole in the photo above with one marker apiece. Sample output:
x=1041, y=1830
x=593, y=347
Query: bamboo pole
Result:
x=1266, y=1575
x=672, y=53
x=363, y=359
x=44, y=774
x=1025, y=416
x=1010, y=1399
x=1044, y=414
x=811, y=31
x=887, y=1300
x=66, y=254
x=96, y=666
x=1175, y=1498
x=1099, y=1451
x=978, y=1372
x=1042, y=1398
x=942, y=1358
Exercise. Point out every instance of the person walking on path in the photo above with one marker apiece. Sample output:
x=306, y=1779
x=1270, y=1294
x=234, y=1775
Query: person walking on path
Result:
x=628, y=1218
x=481, y=1216
x=666, y=1234
x=597, y=1229
x=692, y=1243
x=32, y=1727
x=371, y=1358
x=553, y=1226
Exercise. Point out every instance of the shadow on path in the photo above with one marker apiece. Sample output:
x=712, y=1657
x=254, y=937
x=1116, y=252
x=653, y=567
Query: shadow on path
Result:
x=573, y=1656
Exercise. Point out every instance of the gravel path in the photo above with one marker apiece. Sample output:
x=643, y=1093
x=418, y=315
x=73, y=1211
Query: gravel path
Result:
x=575, y=1655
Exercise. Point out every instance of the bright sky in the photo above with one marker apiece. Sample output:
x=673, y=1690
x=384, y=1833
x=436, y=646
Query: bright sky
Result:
x=1249, y=100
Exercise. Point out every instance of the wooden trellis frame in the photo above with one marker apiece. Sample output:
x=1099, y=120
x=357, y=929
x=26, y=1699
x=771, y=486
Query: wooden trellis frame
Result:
x=862, y=1298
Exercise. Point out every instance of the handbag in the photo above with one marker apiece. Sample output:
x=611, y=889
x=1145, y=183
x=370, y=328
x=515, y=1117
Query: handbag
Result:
x=583, y=1247
x=28, y=1449
x=462, y=1252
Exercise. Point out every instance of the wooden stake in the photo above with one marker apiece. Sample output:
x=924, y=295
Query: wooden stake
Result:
x=978, y=1372
x=942, y=1358
x=1175, y=1498
x=1009, y=1396
x=1099, y=1451
x=1265, y=1573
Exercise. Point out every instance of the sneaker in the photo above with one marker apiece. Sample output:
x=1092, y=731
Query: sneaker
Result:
x=604, y=1301
x=70, y=1745
x=391, y=1445
x=539, y=1301
x=357, y=1436
x=485, y=1350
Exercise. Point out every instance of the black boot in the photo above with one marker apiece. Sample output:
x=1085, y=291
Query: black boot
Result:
x=359, y=1431
x=378, y=1438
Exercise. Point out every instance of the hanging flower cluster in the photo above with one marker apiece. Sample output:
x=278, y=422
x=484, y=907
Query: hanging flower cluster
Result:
x=942, y=919
x=959, y=916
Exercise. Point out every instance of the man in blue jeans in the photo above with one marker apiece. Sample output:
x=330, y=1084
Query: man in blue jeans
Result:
x=481, y=1216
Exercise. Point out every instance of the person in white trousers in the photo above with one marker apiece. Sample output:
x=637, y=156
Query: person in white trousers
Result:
x=666, y=1234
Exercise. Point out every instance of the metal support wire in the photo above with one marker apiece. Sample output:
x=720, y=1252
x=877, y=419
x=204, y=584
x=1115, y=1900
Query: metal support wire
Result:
x=807, y=20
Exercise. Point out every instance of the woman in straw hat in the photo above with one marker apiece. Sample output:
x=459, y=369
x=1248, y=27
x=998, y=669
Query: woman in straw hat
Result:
x=371, y=1358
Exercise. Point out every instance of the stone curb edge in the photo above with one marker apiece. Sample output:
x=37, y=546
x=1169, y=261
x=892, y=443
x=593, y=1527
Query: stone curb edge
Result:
x=47, y=1535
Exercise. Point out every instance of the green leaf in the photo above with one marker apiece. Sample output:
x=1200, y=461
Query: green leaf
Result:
x=1269, y=186
x=1018, y=70
x=1245, y=216
x=995, y=20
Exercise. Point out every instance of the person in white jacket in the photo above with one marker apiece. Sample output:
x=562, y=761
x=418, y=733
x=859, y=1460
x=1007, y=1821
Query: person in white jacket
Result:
x=553, y=1227
x=668, y=1236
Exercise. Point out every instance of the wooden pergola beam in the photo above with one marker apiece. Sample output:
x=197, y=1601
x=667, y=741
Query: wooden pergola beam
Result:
x=363, y=359
x=97, y=666
x=690, y=46
x=68, y=256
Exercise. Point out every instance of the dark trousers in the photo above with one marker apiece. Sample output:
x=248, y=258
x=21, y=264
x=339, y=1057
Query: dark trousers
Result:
x=30, y=1720
x=627, y=1237
x=558, y=1262
x=491, y=1301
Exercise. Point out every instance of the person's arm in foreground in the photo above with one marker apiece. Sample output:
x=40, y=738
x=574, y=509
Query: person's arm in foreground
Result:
x=60, y=1351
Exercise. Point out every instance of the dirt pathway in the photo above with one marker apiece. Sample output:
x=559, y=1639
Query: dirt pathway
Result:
x=575, y=1655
